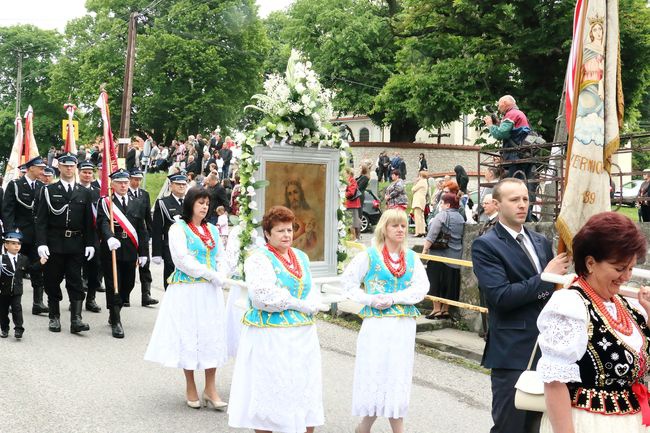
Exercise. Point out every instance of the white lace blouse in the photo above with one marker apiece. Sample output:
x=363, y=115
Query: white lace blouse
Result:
x=263, y=291
x=186, y=262
x=356, y=271
x=563, y=335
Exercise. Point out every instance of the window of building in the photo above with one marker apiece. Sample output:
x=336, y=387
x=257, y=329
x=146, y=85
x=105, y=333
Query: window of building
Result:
x=364, y=134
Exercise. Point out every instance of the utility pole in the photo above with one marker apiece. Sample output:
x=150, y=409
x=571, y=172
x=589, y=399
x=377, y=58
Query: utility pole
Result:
x=19, y=82
x=125, y=120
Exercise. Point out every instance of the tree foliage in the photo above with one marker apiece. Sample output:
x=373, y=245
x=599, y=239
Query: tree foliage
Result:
x=38, y=49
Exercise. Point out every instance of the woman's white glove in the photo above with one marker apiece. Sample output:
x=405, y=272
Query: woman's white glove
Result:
x=307, y=307
x=113, y=244
x=216, y=278
x=142, y=261
x=157, y=260
x=43, y=252
x=381, y=302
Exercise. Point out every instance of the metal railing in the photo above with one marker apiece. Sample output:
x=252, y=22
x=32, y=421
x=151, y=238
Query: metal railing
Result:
x=547, y=166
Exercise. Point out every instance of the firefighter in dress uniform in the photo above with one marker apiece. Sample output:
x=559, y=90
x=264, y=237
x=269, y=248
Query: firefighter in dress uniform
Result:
x=18, y=212
x=167, y=211
x=92, y=274
x=130, y=242
x=66, y=239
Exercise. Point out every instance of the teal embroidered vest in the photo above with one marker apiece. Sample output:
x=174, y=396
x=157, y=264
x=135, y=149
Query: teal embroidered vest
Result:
x=298, y=288
x=197, y=248
x=379, y=280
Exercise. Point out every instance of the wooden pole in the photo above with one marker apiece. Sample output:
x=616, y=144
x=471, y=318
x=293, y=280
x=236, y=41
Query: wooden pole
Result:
x=113, y=253
x=125, y=120
x=561, y=246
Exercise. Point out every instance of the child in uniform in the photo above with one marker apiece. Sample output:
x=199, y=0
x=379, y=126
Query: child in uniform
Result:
x=12, y=269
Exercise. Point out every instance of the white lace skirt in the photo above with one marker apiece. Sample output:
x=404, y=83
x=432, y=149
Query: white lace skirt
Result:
x=587, y=422
x=234, y=315
x=383, y=370
x=276, y=384
x=190, y=330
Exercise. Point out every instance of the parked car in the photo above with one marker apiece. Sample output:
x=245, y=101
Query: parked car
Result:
x=371, y=211
x=628, y=193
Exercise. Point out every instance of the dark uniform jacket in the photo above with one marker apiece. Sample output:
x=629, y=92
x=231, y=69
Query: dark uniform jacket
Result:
x=11, y=281
x=165, y=210
x=71, y=230
x=135, y=214
x=94, y=197
x=18, y=207
x=144, y=197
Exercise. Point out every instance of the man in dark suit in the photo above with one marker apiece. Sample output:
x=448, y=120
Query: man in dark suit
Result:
x=508, y=261
x=128, y=240
x=65, y=237
x=167, y=210
x=18, y=212
x=218, y=197
x=130, y=158
x=137, y=193
x=92, y=272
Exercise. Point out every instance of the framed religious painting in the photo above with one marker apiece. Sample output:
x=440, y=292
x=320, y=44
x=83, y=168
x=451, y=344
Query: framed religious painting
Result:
x=306, y=181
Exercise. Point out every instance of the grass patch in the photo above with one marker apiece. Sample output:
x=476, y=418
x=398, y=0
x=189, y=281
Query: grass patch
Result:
x=630, y=212
x=154, y=182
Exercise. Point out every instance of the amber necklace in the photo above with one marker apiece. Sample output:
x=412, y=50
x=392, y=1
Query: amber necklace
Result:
x=292, y=265
x=206, y=238
x=623, y=322
x=396, y=267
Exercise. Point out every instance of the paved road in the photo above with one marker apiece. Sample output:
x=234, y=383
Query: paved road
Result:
x=94, y=383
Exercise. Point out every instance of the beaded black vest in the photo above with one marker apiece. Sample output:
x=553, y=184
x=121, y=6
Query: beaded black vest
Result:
x=609, y=367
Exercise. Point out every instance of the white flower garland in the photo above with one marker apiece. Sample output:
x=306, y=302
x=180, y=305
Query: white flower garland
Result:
x=296, y=111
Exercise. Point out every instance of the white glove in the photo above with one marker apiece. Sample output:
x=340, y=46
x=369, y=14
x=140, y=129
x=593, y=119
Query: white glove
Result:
x=43, y=252
x=381, y=302
x=309, y=307
x=217, y=279
x=142, y=261
x=157, y=260
x=90, y=253
x=113, y=243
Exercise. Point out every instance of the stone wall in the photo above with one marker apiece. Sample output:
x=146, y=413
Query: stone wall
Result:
x=440, y=158
x=469, y=285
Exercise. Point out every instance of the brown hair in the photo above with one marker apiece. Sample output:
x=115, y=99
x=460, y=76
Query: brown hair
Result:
x=608, y=236
x=275, y=215
x=451, y=199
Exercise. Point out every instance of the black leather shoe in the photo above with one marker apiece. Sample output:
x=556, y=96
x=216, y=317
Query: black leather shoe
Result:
x=39, y=308
x=76, y=325
x=92, y=306
x=55, y=324
x=100, y=289
x=117, y=330
x=4, y=333
x=18, y=333
x=126, y=304
x=148, y=300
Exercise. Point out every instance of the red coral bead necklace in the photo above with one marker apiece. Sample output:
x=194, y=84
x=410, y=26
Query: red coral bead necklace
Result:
x=623, y=321
x=206, y=236
x=292, y=265
x=396, y=267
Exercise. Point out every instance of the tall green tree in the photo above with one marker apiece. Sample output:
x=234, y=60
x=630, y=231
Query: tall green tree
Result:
x=38, y=50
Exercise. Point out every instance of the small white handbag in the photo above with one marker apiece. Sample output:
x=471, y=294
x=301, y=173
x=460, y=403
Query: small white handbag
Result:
x=529, y=394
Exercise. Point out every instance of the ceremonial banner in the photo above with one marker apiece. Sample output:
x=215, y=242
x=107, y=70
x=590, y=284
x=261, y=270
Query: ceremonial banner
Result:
x=595, y=101
x=21, y=152
x=70, y=143
x=109, y=153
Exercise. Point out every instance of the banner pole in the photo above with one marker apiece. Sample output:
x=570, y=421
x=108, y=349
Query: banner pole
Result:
x=113, y=253
x=561, y=246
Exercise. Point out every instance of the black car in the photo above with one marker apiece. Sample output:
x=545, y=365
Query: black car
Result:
x=371, y=211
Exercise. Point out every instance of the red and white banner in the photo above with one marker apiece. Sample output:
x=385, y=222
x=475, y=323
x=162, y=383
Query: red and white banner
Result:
x=572, y=68
x=595, y=113
x=70, y=143
x=12, y=171
x=109, y=153
x=121, y=219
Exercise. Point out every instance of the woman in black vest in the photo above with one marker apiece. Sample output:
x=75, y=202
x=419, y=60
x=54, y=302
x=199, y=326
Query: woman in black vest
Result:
x=595, y=343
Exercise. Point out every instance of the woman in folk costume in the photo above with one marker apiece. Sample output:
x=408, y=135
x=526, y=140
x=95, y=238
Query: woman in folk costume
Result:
x=388, y=280
x=190, y=331
x=276, y=384
x=595, y=343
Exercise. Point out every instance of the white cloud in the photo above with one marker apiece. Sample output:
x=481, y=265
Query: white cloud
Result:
x=268, y=6
x=46, y=14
